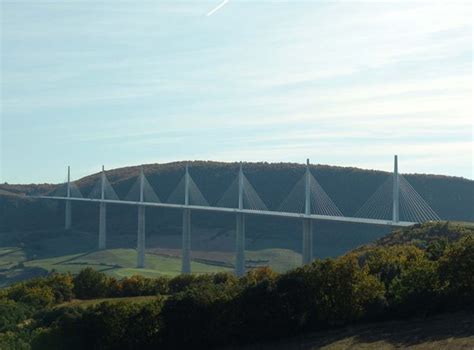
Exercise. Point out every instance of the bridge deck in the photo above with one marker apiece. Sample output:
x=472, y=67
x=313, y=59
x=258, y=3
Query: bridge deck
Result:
x=243, y=211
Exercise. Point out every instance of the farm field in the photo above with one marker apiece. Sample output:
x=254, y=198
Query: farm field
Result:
x=40, y=252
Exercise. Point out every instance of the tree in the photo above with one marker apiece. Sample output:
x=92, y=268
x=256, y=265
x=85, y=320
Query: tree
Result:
x=12, y=313
x=388, y=262
x=345, y=291
x=90, y=284
x=35, y=296
x=417, y=289
x=456, y=268
x=62, y=286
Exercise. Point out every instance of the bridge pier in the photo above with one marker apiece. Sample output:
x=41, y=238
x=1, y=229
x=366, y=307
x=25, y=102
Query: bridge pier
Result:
x=141, y=223
x=102, y=225
x=240, y=245
x=186, y=244
x=67, y=223
x=102, y=214
x=141, y=237
x=307, y=251
x=396, y=192
x=240, y=228
x=68, y=220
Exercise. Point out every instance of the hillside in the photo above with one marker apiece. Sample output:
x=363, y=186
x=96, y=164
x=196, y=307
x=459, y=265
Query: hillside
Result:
x=447, y=331
x=34, y=242
x=412, y=289
x=422, y=235
x=450, y=197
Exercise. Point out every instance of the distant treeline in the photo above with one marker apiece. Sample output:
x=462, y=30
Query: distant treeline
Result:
x=415, y=272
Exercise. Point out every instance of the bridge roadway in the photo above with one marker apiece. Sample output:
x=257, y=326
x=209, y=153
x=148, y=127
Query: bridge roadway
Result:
x=243, y=211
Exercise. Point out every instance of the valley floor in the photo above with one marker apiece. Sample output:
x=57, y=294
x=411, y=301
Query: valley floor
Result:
x=448, y=331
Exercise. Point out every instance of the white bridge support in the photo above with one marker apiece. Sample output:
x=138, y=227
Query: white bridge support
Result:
x=186, y=243
x=141, y=225
x=396, y=192
x=102, y=214
x=307, y=251
x=68, y=216
x=308, y=218
x=240, y=230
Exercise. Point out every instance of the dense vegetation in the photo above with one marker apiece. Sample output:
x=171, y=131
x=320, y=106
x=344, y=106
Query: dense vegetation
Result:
x=414, y=272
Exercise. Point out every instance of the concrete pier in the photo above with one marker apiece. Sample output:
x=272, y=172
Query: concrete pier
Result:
x=68, y=216
x=396, y=192
x=240, y=245
x=307, y=249
x=141, y=224
x=307, y=254
x=102, y=225
x=186, y=243
x=240, y=228
x=102, y=215
x=141, y=237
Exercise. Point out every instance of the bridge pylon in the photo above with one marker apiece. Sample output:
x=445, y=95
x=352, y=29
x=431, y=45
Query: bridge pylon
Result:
x=141, y=224
x=240, y=228
x=68, y=214
x=307, y=249
x=186, y=239
x=102, y=213
x=396, y=192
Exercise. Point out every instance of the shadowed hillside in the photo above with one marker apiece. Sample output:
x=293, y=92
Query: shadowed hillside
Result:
x=349, y=188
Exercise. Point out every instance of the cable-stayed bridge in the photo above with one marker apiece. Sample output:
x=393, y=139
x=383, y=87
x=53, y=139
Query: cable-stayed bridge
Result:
x=395, y=203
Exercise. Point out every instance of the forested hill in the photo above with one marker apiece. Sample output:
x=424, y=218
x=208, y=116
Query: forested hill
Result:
x=349, y=188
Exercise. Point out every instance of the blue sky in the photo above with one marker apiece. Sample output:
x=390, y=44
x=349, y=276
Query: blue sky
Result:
x=346, y=83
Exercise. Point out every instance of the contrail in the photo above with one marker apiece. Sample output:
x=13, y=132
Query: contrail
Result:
x=210, y=13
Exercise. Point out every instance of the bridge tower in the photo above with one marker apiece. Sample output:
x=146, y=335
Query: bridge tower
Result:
x=240, y=228
x=141, y=224
x=67, y=224
x=307, y=254
x=102, y=213
x=186, y=243
x=396, y=192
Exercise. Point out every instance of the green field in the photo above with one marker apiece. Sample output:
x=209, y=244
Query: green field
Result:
x=119, y=263
x=40, y=252
x=11, y=256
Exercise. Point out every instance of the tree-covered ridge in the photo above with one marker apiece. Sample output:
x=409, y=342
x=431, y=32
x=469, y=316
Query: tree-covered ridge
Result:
x=426, y=234
x=349, y=188
x=378, y=282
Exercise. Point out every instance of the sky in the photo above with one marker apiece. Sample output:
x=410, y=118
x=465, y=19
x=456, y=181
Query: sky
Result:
x=349, y=83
